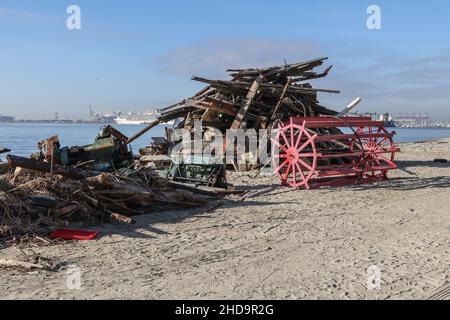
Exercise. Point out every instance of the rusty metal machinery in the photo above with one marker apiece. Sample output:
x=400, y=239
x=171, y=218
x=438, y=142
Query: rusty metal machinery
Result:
x=108, y=152
x=198, y=170
x=313, y=152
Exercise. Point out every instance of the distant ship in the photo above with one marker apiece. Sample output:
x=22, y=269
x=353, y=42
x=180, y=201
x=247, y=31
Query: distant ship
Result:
x=102, y=117
x=388, y=120
x=132, y=118
x=137, y=118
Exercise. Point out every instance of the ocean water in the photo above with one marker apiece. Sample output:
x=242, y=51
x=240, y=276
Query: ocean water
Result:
x=416, y=134
x=22, y=138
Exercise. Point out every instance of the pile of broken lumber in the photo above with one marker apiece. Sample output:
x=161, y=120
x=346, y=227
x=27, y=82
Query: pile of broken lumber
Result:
x=31, y=202
x=252, y=98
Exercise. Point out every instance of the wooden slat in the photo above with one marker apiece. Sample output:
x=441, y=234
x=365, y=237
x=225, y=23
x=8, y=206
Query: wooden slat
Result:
x=356, y=153
x=240, y=118
x=355, y=137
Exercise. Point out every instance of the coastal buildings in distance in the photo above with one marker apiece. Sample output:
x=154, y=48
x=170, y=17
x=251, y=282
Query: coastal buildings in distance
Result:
x=407, y=120
x=114, y=117
x=419, y=120
x=4, y=119
x=402, y=120
x=414, y=120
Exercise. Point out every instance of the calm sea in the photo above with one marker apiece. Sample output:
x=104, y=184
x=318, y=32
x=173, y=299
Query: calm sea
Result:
x=22, y=138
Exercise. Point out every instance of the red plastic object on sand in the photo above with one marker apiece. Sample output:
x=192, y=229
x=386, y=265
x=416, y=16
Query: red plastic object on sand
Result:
x=73, y=234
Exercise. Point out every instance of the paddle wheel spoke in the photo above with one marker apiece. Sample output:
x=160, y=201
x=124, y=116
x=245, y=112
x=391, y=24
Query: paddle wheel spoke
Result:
x=282, y=166
x=372, y=156
x=295, y=171
x=299, y=139
x=381, y=142
x=303, y=163
x=378, y=161
x=294, y=180
x=292, y=134
x=305, y=155
x=280, y=146
x=309, y=141
x=390, y=162
x=300, y=171
x=288, y=171
x=285, y=139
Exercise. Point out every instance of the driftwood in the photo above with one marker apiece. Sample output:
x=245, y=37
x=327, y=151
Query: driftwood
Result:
x=30, y=203
x=5, y=186
x=20, y=264
x=122, y=218
x=46, y=167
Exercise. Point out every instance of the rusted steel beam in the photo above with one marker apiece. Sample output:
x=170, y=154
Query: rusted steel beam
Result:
x=116, y=134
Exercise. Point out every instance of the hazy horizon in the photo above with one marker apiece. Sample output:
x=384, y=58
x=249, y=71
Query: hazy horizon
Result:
x=136, y=56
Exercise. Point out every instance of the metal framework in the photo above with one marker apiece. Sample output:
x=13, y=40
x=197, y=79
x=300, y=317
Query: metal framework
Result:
x=313, y=152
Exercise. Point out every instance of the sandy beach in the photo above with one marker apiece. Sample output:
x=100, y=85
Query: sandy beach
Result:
x=287, y=244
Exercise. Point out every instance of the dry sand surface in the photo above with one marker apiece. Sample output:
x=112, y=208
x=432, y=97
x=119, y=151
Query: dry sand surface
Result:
x=288, y=244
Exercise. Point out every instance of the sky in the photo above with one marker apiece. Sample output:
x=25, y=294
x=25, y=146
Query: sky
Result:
x=141, y=54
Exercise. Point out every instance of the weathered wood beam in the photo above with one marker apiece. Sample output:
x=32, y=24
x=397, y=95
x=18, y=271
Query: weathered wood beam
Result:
x=273, y=69
x=280, y=101
x=145, y=130
x=239, y=122
x=4, y=150
x=245, y=86
x=75, y=173
x=214, y=106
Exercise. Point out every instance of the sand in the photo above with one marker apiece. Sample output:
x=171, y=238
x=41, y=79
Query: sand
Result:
x=288, y=244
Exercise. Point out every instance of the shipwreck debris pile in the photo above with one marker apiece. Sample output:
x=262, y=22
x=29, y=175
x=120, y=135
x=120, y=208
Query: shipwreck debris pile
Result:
x=31, y=201
x=103, y=181
x=257, y=98
x=59, y=186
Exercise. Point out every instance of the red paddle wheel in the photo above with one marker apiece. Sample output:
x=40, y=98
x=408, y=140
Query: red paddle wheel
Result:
x=313, y=152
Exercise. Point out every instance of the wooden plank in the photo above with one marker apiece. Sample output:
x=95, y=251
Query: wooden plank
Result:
x=20, y=264
x=280, y=101
x=242, y=86
x=220, y=102
x=240, y=118
x=332, y=137
x=214, y=106
x=145, y=130
x=357, y=153
x=4, y=150
x=30, y=164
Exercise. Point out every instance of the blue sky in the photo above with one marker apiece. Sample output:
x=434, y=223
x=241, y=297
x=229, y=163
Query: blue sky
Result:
x=135, y=55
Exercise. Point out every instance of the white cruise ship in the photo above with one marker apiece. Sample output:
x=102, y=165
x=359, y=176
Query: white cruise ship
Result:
x=137, y=118
x=134, y=118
